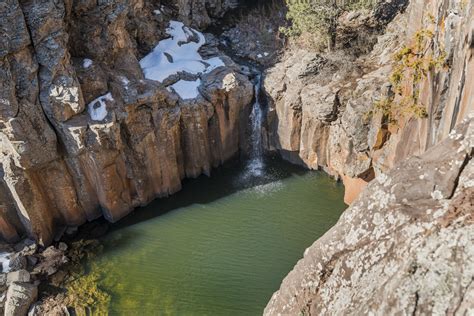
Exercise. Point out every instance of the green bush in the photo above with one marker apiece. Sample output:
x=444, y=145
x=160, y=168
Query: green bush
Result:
x=314, y=22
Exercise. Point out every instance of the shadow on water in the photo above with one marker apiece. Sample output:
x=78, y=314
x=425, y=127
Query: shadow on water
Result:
x=224, y=181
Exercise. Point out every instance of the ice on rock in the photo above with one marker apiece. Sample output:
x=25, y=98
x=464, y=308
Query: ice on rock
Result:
x=86, y=63
x=98, y=109
x=179, y=53
x=187, y=89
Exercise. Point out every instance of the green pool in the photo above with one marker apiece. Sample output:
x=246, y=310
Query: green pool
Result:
x=221, y=246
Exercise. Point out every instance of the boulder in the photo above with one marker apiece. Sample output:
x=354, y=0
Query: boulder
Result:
x=51, y=259
x=20, y=296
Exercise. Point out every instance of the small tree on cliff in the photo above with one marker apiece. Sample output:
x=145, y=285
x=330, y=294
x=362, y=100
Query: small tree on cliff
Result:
x=314, y=22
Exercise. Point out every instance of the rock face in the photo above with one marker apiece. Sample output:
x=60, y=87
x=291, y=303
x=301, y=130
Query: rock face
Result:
x=320, y=110
x=83, y=133
x=405, y=246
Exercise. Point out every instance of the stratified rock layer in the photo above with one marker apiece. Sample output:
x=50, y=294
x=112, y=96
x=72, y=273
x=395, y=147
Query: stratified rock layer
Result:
x=61, y=166
x=321, y=106
x=405, y=246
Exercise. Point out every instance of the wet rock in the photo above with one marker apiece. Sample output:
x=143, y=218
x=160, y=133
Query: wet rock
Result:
x=20, y=296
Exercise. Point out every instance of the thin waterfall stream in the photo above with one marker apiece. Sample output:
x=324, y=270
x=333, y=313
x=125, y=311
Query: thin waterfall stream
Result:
x=255, y=165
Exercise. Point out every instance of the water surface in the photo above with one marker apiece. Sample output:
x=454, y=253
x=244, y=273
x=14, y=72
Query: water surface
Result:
x=221, y=246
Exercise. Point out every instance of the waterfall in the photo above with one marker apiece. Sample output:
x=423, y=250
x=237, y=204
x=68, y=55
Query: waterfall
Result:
x=255, y=165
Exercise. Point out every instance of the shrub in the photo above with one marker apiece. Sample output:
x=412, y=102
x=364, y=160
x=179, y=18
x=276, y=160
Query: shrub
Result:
x=412, y=63
x=314, y=22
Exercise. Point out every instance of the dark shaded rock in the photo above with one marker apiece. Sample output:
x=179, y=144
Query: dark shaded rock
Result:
x=385, y=10
x=18, y=262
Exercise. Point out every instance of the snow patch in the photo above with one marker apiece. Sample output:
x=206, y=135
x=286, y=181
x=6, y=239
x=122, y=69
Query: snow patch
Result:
x=5, y=262
x=124, y=80
x=179, y=53
x=187, y=89
x=86, y=63
x=157, y=12
x=98, y=109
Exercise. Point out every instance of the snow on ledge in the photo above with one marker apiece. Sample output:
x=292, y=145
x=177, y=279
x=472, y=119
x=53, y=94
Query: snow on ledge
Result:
x=179, y=54
x=86, y=63
x=187, y=89
x=98, y=109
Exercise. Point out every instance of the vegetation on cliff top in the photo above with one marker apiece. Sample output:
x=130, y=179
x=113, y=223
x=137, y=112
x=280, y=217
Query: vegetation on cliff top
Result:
x=314, y=22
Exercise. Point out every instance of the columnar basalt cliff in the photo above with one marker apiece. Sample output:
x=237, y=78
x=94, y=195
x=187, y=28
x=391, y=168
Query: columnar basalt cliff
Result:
x=322, y=105
x=84, y=133
x=87, y=130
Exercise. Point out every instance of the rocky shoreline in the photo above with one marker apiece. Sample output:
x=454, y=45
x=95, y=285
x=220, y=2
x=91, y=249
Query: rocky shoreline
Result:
x=49, y=281
x=28, y=267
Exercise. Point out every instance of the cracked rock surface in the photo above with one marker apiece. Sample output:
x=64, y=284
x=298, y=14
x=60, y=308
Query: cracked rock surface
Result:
x=406, y=245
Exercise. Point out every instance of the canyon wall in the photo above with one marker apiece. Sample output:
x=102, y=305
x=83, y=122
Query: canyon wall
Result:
x=83, y=133
x=321, y=105
x=405, y=245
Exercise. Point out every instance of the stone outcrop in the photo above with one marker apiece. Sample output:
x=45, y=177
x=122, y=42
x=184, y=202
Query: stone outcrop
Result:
x=60, y=165
x=200, y=13
x=321, y=105
x=405, y=246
